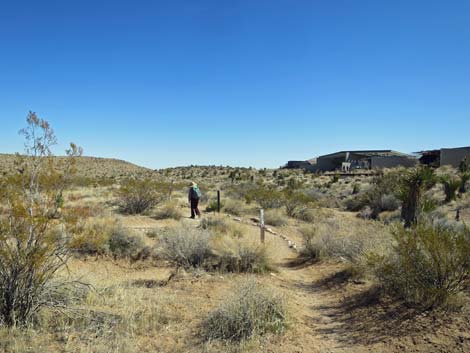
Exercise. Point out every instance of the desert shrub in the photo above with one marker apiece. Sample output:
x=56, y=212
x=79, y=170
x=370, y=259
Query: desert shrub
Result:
x=123, y=244
x=275, y=218
x=212, y=205
x=104, y=236
x=266, y=197
x=168, y=210
x=233, y=255
x=309, y=249
x=306, y=215
x=138, y=196
x=33, y=233
x=215, y=223
x=185, y=247
x=388, y=202
x=429, y=264
x=252, y=310
x=91, y=237
x=294, y=202
x=234, y=207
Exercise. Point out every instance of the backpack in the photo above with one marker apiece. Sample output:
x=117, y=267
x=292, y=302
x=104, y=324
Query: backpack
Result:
x=196, y=192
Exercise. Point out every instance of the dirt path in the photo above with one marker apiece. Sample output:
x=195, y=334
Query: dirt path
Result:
x=333, y=314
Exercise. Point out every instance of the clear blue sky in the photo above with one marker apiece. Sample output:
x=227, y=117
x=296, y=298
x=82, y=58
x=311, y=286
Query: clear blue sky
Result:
x=239, y=82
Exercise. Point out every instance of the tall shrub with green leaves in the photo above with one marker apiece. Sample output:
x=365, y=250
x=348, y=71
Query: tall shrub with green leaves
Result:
x=428, y=265
x=32, y=238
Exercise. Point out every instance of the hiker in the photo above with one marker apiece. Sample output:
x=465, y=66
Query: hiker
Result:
x=193, y=197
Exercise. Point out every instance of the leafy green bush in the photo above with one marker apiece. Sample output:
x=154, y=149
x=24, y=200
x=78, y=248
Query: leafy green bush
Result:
x=252, y=310
x=429, y=264
x=266, y=197
x=138, y=196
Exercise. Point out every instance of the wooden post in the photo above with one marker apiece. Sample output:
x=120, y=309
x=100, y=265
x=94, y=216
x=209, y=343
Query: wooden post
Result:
x=218, y=201
x=261, y=224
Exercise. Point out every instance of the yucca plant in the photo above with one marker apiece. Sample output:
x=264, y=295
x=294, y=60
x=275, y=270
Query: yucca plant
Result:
x=411, y=189
x=451, y=185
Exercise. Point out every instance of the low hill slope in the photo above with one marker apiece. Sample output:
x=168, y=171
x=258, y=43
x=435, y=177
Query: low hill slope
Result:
x=90, y=167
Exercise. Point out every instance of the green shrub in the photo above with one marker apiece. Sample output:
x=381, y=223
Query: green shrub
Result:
x=266, y=197
x=252, y=310
x=138, y=196
x=429, y=264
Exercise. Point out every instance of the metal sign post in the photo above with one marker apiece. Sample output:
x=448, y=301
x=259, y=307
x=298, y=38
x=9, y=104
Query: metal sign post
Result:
x=261, y=222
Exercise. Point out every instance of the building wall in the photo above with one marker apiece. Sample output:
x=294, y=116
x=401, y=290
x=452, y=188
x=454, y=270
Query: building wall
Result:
x=325, y=164
x=453, y=156
x=392, y=162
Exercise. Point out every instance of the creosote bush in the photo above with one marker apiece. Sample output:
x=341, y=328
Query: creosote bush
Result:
x=428, y=266
x=137, y=196
x=252, y=310
x=33, y=234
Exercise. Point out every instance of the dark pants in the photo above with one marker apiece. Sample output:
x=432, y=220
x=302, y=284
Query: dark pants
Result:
x=194, y=209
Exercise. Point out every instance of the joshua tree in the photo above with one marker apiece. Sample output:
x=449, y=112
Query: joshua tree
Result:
x=411, y=189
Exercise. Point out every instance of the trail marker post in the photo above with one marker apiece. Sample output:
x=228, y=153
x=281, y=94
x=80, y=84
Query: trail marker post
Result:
x=261, y=225
x=218, y=201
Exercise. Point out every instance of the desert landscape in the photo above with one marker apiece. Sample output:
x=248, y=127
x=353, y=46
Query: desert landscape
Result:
x=100, y=255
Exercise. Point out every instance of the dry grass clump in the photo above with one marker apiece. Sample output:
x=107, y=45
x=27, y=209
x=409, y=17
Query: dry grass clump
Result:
x=104, y=236
x=218, y=224
x=185, y=247
x=252, y=310
x=169, y=210
x=106, y=319
x=234, y=207
x=240, y=256
x=349, y=243
x=275, y=218
x=429, y=264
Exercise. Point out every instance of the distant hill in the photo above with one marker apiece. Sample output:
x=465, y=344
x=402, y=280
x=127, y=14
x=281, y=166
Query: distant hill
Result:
x=91, y=167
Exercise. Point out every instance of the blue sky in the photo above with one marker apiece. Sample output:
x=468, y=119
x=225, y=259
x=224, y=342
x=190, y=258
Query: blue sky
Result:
x=239, y=82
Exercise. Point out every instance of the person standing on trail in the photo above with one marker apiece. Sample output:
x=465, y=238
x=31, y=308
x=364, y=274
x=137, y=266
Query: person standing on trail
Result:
x=193, y=197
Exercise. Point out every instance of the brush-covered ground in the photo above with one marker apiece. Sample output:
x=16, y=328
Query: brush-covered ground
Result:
x=141, y=292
